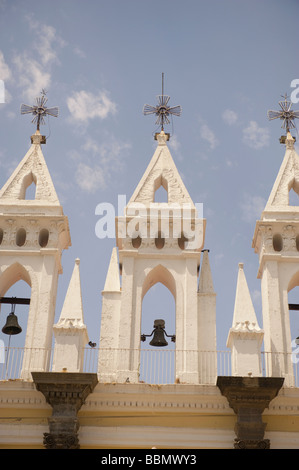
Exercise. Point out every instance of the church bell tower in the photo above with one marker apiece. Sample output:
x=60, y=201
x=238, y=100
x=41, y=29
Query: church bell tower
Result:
x=158, y=242
x=33, y=234
x=276, y=240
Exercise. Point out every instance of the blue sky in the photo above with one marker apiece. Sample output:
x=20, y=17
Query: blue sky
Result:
x=226, y=62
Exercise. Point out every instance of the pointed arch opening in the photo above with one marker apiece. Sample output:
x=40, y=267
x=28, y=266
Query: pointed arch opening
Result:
x=15, y=282
x=28, y=187
x=161, y=190
x=162, y=275
x=11, y=275
x=157, y=364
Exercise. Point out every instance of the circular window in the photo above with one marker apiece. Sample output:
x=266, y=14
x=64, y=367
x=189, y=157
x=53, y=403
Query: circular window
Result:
x=21, y=237
x=43, y=238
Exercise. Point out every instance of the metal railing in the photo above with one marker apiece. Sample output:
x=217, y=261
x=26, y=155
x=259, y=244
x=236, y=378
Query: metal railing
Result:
x=14, y=360
x=154, y=366
x=158, y=366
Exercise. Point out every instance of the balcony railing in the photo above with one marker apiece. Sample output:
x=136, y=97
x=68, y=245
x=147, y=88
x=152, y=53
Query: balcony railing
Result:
x=156, y=366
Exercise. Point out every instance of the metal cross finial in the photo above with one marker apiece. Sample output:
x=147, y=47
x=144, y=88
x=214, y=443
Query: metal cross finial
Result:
x=286, y=114
x=162, y=110
x=39, y=110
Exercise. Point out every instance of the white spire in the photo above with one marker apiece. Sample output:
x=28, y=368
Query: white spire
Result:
x=205, y=279
x=112, y=283
x=244, y=310
x=72, y=310
x=70, y=331
x=245, y=336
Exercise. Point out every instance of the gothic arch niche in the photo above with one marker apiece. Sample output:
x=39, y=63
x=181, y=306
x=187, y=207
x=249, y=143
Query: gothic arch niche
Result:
x=9, y=285
x=28, y=187
x=23, y=290
x=161, y=190
x=14, y=282
x=158, y=302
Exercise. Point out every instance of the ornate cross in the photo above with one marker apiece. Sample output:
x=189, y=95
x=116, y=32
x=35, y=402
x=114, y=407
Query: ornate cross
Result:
x=39, y=110
x=286, y=114
x=162, y=110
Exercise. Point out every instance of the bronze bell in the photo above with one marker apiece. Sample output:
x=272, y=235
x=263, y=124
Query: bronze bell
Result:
x=159, y=332
x=159, y=338
x=11, y=326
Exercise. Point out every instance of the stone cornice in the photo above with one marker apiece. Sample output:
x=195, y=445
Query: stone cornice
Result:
x=177, y=398
x=203, y=399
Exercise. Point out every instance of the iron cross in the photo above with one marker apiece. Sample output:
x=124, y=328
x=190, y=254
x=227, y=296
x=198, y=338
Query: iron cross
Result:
x=286, y=114
x=162, y=110
x=39, y=110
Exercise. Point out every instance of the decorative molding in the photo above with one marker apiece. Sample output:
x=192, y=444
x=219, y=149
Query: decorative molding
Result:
x=56, y=226
x=249, y=397
x=252, y=444
x=61, y=441
x=66, y=393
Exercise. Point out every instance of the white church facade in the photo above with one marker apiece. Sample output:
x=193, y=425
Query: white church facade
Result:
x=55, y=403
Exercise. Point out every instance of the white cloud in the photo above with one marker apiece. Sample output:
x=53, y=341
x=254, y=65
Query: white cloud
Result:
x=229, y=117
x=5, y=76
x=252, y=207
x=256, y=137
x=33, y=67
x=107, y=152
x=207, y=134
x=79, y=52
x=100, y=162
x=32, y=76
x=46, y=40
x=175, y=145
x=84, y=105
x=90, y=178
